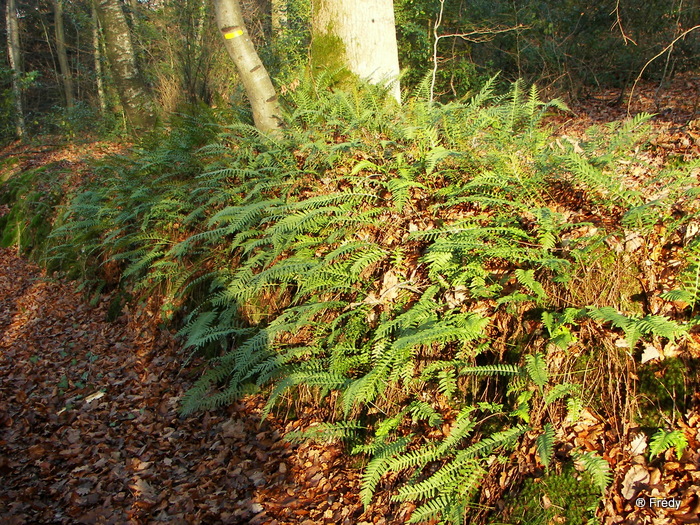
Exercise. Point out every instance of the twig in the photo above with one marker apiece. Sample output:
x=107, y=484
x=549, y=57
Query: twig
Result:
x=618, y=23
x=670, y=52
x=476, y=36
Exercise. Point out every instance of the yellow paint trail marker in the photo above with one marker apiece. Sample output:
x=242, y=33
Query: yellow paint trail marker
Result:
x=233, y=34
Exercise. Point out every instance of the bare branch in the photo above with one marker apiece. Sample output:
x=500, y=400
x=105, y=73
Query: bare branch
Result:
x=636, y=81
x=476, y=36
x=482, y=35
x=618, y=23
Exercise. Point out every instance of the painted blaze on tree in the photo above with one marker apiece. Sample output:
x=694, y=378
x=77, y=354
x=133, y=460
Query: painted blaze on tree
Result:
x=358, y=35
x=258, y=86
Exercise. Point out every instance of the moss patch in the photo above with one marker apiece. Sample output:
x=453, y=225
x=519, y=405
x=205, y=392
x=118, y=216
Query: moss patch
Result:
x=328, y=52
x=568, y=497
x=665, y=388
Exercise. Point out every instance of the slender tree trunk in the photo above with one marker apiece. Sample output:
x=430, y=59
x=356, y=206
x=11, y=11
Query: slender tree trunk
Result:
x=135, y=97
x=192, y=55
x=97, y=54
x=201, y=19
x=14, y=55
x=279, y=16
x=258, y=86
x=359, y=35
x=66, y=76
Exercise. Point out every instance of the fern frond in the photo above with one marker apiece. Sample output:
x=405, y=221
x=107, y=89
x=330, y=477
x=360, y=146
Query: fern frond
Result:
x=545, y=444
x=527, y=279
x=597, y=467
x=422, y=410
x=326, y=432
x=463, y=473
x=536, y=367
x=378, y=466
x=460, y=429
x=662, y=440
x=433, y=508
x=505, y=438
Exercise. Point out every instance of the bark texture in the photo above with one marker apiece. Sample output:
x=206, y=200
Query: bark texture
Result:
x=15, y=58
x=65, y=73
x=359, y=35
x=258, y=86
x=135, y=97
x=278, y=10
x=97, y=54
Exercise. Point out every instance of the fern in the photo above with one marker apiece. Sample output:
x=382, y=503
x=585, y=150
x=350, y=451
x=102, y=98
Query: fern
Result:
x=556, y=324
x=438, y=506
x=383, y=257
x=422, y=410
x=663, y=440
x=527, y=279
x=378, y=466
x=689, y=279
x=462, y=427
x=536, y=367
x=560, y=391
x=636, y=328
x=605, y=188
x=462, y=473
x=597, y=467
x=326, y=432
x=545, y=445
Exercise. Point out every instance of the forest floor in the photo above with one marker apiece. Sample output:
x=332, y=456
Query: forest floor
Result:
x=89, y=424
x=90, y=431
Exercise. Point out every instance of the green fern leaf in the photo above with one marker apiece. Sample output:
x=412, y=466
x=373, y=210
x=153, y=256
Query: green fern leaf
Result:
x=560, y=391
x=663, y=440
x=422, y=410
x=536, y=367
x=378, y=466
x=527, y=279
x=545, y=445
x=326, y=432
x=597, y=467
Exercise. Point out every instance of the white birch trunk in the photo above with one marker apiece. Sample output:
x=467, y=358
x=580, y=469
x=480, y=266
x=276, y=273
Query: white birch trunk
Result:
x=97, y=54
x=258, y=86
x=279, y=16
x=134, y=96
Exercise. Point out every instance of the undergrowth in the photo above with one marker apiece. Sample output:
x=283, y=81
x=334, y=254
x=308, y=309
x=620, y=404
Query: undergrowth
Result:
x=421, y=270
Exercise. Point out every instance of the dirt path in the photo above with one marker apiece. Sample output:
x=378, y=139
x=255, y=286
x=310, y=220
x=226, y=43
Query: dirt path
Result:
x=89, y=430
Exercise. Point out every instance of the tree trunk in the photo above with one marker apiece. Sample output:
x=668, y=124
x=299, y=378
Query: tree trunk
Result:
x=97, y=54
x=15, y=58
x=279, y=16
x=191, y=54
x=134, y=96
x=66, y=76
x=359, y=35
x=258, y=86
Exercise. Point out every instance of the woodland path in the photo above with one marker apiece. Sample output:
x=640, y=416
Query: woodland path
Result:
x=89, y=429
